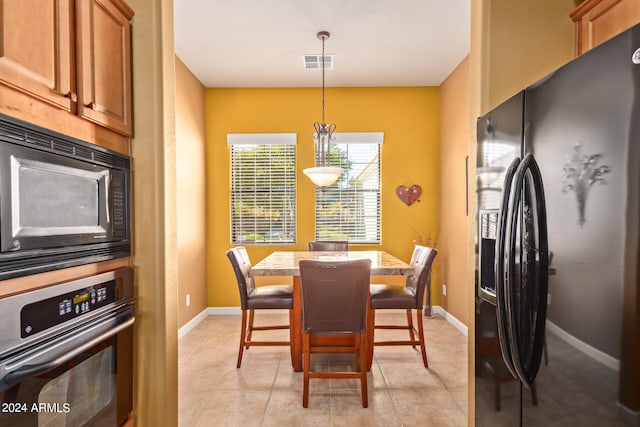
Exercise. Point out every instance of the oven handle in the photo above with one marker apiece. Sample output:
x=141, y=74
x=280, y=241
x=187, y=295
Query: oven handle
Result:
x=122, y=321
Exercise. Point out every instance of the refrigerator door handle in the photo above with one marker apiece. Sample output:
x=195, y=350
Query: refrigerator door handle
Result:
x=504, y=219
x=541, y=273
x=527, y=365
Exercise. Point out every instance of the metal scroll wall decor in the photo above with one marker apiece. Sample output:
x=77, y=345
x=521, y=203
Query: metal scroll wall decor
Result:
x=580, y=172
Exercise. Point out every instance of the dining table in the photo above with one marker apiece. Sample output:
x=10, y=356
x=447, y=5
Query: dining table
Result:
x=286, y=263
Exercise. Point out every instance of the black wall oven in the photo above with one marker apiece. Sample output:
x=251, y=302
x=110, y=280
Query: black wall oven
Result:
x=66, y=353
x=63, y=202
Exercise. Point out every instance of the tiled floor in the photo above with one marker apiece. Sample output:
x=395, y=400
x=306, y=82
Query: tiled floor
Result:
x=267, y=392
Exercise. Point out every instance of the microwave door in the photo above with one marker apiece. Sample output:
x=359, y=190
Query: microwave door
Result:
x=54, y=202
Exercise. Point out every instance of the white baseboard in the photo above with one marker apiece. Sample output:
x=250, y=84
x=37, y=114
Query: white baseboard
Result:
x=600, y=356
x=216, y=311
x=436, y=309
x=192, y=323
x=629, y=416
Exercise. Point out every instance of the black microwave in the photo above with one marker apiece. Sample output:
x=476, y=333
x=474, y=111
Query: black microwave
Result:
x=63, y=202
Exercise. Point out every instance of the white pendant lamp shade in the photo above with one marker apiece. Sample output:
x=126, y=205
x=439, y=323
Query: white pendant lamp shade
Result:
x=323, y=176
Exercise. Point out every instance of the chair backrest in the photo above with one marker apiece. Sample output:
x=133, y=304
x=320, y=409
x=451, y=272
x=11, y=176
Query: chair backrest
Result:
x=242, y=267
x=421, y=261
x=327, y=245
x=335, y=296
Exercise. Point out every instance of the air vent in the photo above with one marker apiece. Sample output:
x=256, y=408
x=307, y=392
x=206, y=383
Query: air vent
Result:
x=314, y=62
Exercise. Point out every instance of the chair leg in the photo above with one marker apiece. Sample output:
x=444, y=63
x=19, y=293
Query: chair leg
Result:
x=307, y=358
x=371, y=325
x=357, y=354
x=251, y=313
x=423, y=347
x=292, y=334
x=363, y=372
x=410, y=323
x=243, y=331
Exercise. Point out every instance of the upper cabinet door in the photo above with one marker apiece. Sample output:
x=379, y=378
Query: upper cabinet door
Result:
x=35, y=49
x=599, y=20
x=104, y=63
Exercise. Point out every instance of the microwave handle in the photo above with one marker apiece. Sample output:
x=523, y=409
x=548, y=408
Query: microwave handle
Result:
x=45, y=361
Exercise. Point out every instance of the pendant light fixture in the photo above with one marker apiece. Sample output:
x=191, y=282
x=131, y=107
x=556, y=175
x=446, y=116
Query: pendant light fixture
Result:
x=323, y=175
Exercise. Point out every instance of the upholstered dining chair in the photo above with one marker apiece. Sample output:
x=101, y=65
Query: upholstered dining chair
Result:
x=335, y=297
x=257, y=298
x=408, y=297
x=328, y=245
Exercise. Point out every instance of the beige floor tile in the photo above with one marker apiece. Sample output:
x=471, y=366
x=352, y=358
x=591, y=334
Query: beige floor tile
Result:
x=285, y=409
x=232, y=408
x=252, y=376
x=409, y=375
x=266, y=391
x=347, y=410
x=191, y=402
x=461, y=397
x=453, y=374
x=194, y=378
x=427, y=407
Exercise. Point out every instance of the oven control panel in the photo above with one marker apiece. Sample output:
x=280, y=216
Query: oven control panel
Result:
x=41, y=315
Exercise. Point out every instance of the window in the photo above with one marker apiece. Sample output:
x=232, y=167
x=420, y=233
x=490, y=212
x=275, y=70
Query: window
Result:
x=350, y=208
x=263, y=188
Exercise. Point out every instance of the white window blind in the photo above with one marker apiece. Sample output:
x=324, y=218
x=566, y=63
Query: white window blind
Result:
x=350, y=208
x=263, y=188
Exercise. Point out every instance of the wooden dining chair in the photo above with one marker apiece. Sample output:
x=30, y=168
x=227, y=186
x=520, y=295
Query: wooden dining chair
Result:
x=329, y=245
x=409, y=298
x=335, y=297
x=257, y=298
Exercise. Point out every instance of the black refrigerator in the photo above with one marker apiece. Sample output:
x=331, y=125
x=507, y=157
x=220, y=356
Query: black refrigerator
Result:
x=557, y=247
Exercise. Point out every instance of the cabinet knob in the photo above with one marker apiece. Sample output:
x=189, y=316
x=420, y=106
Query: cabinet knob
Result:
x=92, y=105
x=72, y=96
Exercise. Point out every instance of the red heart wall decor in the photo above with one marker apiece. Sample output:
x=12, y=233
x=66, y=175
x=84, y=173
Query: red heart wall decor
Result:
x=409, y=194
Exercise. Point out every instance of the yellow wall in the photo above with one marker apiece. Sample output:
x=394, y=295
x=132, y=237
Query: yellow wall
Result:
x=454, y=148
x=190, y=194
x=409, y=118
x=525, y=42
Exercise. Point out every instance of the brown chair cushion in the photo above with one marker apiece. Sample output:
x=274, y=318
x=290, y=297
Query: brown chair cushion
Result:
x=388, y=296
x=271, y=296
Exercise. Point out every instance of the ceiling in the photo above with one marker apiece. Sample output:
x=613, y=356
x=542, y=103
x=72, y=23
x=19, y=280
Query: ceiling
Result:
x=260, y=43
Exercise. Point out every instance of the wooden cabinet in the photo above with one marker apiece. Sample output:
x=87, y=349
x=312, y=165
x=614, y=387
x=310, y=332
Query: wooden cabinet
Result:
x=35, y=49
x=599, y=20
x=74, y=55
x=104, y=63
